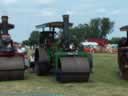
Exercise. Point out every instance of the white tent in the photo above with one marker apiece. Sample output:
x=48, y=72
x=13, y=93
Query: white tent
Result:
x=89, y=43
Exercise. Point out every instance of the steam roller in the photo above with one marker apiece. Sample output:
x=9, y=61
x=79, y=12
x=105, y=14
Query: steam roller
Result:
x=11, y=62
x=123, y=55
x=73, y=68
x=61, y=55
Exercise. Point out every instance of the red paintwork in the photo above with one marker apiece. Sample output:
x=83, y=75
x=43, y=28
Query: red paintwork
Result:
x=100, y=41
x=10, y=54
x=89, y=50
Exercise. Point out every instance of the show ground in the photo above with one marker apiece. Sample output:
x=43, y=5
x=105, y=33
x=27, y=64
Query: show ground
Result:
x=104, y=81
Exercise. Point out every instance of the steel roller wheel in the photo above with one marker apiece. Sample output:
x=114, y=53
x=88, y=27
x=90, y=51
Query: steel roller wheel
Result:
x=11, y=68
x=73, y=69
x=42, y=66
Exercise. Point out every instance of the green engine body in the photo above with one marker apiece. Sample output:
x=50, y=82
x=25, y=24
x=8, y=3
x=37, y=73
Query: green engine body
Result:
x=67, y=65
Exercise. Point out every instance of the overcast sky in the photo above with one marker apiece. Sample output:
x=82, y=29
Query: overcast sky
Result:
x=25, y=14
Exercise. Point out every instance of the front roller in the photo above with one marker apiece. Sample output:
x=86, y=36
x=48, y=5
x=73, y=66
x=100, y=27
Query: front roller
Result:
x=11, y=68
x=42, y=65
x=73, y=69
x=123, y=62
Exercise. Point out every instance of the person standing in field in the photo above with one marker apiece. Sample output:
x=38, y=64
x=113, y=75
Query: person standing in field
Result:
x=31, y=58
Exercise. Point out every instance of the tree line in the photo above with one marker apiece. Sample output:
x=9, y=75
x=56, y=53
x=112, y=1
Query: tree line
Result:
x=96, y=28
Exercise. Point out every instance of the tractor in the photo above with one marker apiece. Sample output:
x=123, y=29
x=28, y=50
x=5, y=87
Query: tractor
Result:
x=62, y=56
x=11, y=63
x=123, y=55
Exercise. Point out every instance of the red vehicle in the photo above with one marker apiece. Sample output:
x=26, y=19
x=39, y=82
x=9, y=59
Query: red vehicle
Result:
x=11, y=63
x=89, y=47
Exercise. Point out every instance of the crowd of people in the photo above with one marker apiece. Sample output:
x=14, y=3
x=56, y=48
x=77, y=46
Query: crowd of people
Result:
x=28, y=53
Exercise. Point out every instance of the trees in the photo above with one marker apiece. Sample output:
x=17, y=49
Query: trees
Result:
x=26, y=42
x=33, y=39
x=97, y=28
x=79, y=32
x=114, y=40
x=106, y=27
x=100, y=27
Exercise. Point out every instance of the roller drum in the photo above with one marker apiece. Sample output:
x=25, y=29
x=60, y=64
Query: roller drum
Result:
x=11, y=68
x=42, y=66
x=73, y=69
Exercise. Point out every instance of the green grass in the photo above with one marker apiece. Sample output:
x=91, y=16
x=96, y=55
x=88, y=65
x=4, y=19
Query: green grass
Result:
x=104, y=82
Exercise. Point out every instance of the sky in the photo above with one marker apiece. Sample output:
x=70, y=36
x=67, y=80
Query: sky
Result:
x=26, y=14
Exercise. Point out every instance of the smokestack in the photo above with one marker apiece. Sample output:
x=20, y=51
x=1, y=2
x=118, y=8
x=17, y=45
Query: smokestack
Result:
x=5, y=24
x=66, y=28
x=4, y=19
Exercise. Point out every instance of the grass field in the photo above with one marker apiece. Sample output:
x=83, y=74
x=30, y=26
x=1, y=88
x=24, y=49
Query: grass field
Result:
x=104, y=82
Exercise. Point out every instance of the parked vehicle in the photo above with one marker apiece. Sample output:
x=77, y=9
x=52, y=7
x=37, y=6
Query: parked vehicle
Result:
x=89, y=47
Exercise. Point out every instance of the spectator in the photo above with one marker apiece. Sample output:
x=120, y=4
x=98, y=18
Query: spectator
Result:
x=31, y=58
x=21, y=49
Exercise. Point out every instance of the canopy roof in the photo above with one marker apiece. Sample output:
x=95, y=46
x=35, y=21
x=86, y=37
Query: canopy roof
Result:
x=89, y=43
x=100, y=41
x=53, y=25
x=124, y=28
